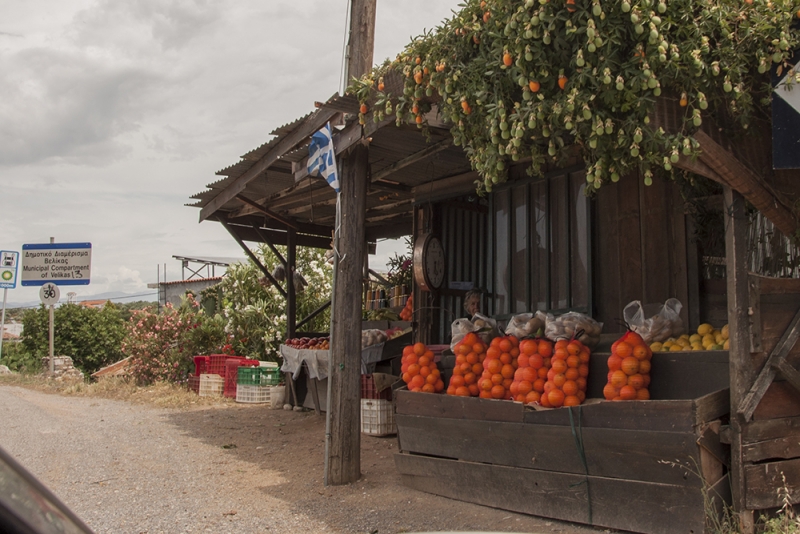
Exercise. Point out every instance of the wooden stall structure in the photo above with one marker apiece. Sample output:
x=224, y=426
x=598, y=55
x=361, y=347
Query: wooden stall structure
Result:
x=724, y=426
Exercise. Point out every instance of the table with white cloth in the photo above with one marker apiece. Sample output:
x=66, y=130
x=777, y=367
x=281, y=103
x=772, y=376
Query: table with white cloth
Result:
x=317, y=363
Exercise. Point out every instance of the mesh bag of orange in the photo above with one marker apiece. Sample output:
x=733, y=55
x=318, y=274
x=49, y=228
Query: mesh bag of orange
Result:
x=499, y=367
x=566, y=378
x=419, y=370
x=533, y=363
x=628, y=369
x=470, y=353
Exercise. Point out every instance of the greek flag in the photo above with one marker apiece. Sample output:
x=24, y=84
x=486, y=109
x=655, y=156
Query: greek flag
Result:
x=321, y=160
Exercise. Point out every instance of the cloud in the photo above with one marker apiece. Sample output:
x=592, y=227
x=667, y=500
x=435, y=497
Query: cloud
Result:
x=59, y=106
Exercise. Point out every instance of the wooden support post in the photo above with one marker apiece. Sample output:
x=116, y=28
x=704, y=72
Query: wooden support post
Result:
x=741, y=367
x=344, y=406
x=343, y=437
x=291, y=293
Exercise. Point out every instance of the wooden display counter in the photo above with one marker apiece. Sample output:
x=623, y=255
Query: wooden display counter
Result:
x=636, y=465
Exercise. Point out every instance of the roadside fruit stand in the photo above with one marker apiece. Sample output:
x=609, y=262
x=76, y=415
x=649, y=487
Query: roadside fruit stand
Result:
x=573, y=158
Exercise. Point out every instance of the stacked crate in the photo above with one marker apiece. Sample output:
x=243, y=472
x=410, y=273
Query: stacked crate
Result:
x=377, y=413
x=254, y=384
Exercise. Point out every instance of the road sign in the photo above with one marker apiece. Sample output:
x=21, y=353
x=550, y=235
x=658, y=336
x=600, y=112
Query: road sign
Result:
x=49, y=294
x=65, y=264
x=786, y=116
x=8, y=269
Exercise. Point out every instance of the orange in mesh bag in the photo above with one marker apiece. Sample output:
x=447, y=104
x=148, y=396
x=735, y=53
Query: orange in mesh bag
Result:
x=628, y=369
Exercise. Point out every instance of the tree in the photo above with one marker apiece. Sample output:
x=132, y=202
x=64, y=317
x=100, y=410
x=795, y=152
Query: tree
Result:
x=256, y=312
x=91, y=337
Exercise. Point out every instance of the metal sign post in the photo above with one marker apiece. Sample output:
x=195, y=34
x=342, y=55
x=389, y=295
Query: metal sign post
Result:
x=49, y=295
x=8, y=280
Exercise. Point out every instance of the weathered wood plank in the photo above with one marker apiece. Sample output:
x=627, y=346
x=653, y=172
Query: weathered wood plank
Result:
x=767, y=374
x=754, y=287
x=754, y=188
x=659, y=415
x=688, y=375
x=447, y=406
x=791, y=374
x=764, y=480
x=619, y=504
x=740, y=366
x=780, y=400
x=664, y=416
x=631, y=454
x=777, y=286
x=783, y=448
x=768, y=429
x=712, y=406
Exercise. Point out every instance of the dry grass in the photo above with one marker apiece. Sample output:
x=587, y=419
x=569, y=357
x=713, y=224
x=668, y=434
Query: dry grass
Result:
x=161, y=394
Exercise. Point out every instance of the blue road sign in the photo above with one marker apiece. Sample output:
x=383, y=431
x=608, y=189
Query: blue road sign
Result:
x=64, y=264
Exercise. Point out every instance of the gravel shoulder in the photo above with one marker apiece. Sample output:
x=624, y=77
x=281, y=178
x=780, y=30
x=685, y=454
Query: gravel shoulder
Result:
x=128, y=468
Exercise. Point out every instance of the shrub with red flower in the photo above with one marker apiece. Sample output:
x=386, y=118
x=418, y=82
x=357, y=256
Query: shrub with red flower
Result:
x=161, y=345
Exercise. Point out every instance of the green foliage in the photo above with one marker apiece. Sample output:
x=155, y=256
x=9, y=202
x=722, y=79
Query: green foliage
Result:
x=161, y=345
x=16, y=358
x=256, y=312
x=401, y=267
x=126, y=309
x=538, y=78
x=91, y=337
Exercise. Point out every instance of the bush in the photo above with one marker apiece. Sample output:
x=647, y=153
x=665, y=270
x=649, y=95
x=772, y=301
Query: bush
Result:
x=91, y=337
x=16, y=358
x=161, y=345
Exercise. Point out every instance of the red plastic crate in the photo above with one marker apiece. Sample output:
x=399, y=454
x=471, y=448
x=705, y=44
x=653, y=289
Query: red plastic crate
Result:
x=216, y=363
x=200, y=365
x=231, y=376
x=369, y=391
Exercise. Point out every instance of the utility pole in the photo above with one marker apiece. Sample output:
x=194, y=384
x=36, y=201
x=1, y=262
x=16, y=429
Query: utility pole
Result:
x=343, y=428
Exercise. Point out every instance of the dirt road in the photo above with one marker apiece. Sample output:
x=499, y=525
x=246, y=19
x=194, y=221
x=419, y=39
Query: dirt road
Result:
x=128, y=468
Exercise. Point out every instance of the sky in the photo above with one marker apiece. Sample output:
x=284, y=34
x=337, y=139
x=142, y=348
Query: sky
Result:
x=114, y=112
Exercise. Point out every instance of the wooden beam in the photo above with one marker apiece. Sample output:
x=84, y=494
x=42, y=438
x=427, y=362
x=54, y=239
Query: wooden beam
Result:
x=740, y=366
x=698, y=167
x=265, y=211
x=270, y=200
x=776, y=358
x=754, y=189
x=789, y=373
x=413, y=158
x=253, y=257
x=313, y=314
x=446, y=186
x=311, y=124
x=265, y=238
x=389, y=186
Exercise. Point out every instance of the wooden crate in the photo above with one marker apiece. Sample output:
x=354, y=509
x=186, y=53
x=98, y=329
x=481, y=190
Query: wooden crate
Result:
x=770, y=443
x=646, y=462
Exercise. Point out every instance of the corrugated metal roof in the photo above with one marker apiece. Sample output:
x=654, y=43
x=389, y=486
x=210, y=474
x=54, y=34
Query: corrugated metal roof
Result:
x=312, y=201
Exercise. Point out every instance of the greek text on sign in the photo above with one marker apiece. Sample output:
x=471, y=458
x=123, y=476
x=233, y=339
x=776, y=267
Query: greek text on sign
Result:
x=64, y=264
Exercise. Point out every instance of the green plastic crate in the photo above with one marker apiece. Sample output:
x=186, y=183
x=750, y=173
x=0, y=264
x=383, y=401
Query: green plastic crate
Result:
x=271, y=377
x=249, y=376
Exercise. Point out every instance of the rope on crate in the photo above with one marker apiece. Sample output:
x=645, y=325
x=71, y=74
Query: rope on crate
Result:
x=578, y=436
